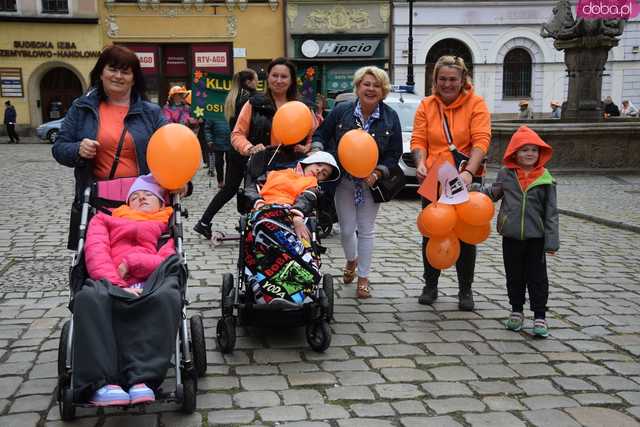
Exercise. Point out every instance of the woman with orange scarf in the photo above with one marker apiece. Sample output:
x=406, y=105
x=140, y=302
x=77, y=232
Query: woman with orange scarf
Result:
x=454, y=109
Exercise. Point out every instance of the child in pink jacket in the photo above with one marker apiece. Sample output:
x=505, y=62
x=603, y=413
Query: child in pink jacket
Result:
x=122, y=248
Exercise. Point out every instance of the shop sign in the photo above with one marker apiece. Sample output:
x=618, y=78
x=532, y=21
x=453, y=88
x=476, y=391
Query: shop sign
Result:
x=147, y=59
x=339, y=48
x=47, y=49
x=208, y=93
x=175, y=61
x=11, y=82
x=211, y=59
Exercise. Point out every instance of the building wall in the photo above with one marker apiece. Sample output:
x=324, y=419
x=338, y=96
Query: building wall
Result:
x=490, y=29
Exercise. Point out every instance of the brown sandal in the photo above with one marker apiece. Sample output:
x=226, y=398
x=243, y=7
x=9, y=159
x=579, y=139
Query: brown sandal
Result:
x=362, y=290
x=348, y=274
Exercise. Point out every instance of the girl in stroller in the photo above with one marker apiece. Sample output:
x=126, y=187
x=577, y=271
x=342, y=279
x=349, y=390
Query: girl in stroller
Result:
x=279, y=263
x=127, y=314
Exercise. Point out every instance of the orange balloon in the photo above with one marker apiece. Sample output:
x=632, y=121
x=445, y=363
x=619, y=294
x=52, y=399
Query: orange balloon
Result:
x=443, y=252
x=438, y=219
x=358, y=153
x=420, y=224
x=477, y=210
x=472, y=234
x=292, y=123
x=173, y=155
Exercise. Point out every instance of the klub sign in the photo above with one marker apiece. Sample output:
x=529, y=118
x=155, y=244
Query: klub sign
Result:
x=607, y=9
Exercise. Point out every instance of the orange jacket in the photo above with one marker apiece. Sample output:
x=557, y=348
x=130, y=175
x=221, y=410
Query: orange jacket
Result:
x=284, y=186
x=469, y=123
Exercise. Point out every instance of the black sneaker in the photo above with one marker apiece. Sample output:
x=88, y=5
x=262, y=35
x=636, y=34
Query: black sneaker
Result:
x=465, y=300
x=203, y=229
x=429, y=295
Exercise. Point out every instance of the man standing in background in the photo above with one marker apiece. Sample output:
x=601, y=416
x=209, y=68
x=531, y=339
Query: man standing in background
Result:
x=10, y=122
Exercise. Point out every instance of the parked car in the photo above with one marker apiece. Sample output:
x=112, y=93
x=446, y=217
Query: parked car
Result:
x=405, y=103
x=49, y=131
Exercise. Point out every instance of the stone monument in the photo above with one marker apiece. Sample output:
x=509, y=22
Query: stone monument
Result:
x=586, y=44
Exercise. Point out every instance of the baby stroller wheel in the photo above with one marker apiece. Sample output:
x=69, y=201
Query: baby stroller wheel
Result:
x=327, y=288
x=319, y=335
x=226, y=301
x=62, y=349
x=188, y=393
x=198, y=346
x=67, y=410
x=325, y=229
x=226, y=334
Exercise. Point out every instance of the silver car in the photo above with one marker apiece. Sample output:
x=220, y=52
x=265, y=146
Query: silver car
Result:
x=49, y=131
x=405, y=104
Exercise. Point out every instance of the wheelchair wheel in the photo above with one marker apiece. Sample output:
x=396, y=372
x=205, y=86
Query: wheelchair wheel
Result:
x=327, y=287
x=67, y=410
x=198, y=345
x=226, y=300
x=226, y=334
x=62, y=349
x=189, y=390
x=319, y=335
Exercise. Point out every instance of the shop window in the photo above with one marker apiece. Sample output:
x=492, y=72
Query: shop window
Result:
x=55, y=6
x=517, y=72
x=8, y=6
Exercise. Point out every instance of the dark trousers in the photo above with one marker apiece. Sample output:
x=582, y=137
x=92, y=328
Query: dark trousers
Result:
x=236, y=166
x=525, y=265
x=11, y=132
x=120, y=339
x=219, y=157
x=465, y=266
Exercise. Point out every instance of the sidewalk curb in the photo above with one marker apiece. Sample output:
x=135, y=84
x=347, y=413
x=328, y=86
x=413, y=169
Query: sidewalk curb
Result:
x=607, y=222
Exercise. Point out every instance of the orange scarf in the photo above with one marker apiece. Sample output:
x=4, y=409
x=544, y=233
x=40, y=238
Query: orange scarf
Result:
x=126, y=212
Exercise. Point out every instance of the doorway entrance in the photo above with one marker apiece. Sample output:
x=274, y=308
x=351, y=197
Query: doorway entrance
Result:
x=444, y=47
x=58, y=88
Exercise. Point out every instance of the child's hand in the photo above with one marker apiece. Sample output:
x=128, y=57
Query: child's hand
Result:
x=301, y=228
x=123, y=270
x=134, y=291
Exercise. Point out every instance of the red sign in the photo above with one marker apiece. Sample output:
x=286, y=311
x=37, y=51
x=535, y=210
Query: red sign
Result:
x=216, y=57
x=148, y=56
x=175, y=61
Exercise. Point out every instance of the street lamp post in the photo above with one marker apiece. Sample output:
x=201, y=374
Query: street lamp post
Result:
x=410, y=81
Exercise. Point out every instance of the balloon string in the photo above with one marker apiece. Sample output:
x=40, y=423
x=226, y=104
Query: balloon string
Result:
x=274, y=155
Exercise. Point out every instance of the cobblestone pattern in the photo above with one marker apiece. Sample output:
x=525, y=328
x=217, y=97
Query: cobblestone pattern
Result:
x=392, y=362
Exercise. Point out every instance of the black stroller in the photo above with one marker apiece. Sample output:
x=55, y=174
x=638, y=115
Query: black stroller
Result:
x=243, y=304
x=189, y=357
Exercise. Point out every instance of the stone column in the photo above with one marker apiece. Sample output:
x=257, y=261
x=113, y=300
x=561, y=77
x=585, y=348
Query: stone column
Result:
x=585, y=58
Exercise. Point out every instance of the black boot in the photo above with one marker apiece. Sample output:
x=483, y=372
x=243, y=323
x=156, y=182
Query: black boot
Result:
x=203, y=229
x=465, y=297
x=429, y=295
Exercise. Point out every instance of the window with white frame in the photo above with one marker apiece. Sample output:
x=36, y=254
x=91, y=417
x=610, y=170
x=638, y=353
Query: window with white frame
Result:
x=8, y=6
x=55, y=6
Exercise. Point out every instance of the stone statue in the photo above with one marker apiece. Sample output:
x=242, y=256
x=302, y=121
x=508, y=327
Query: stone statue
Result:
x=563, y=26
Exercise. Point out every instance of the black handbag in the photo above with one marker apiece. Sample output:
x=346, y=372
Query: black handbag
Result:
x=388, y=187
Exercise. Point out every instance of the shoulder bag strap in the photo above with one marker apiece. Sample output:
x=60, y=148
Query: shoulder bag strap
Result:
x=116, y=158
x=447, y=132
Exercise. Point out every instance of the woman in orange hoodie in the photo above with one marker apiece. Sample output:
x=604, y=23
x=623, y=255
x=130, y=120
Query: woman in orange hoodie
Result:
x=453, y=117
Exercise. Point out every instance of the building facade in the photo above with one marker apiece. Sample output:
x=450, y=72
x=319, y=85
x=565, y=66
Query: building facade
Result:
x=174, y=39
x=509, y=60
x=47, y=48
x=330, y=40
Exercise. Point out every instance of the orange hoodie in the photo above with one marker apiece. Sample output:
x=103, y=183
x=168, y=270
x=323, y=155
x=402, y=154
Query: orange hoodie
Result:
x=284, y=186
x=469, y=123
x=523, y=136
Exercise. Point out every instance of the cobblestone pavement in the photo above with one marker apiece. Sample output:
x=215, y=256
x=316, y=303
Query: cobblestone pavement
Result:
x=392, y=362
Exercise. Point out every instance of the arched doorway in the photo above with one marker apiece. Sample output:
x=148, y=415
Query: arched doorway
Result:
x=446, y=47
x=58, y=88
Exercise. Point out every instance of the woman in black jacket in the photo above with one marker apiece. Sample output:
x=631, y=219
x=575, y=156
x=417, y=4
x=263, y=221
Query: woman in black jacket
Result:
x=243, y=87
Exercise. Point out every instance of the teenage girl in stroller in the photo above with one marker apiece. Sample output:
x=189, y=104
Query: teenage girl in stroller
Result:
x=279, y=262
x=127, y=313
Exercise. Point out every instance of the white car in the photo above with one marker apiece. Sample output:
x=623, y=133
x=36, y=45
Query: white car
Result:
x=405, y=104
x=49, y=131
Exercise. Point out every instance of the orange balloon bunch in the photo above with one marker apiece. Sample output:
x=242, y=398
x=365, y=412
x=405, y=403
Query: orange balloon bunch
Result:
x=173, y=155
x=446, y=225
x=358, y=153
x=292, y=123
